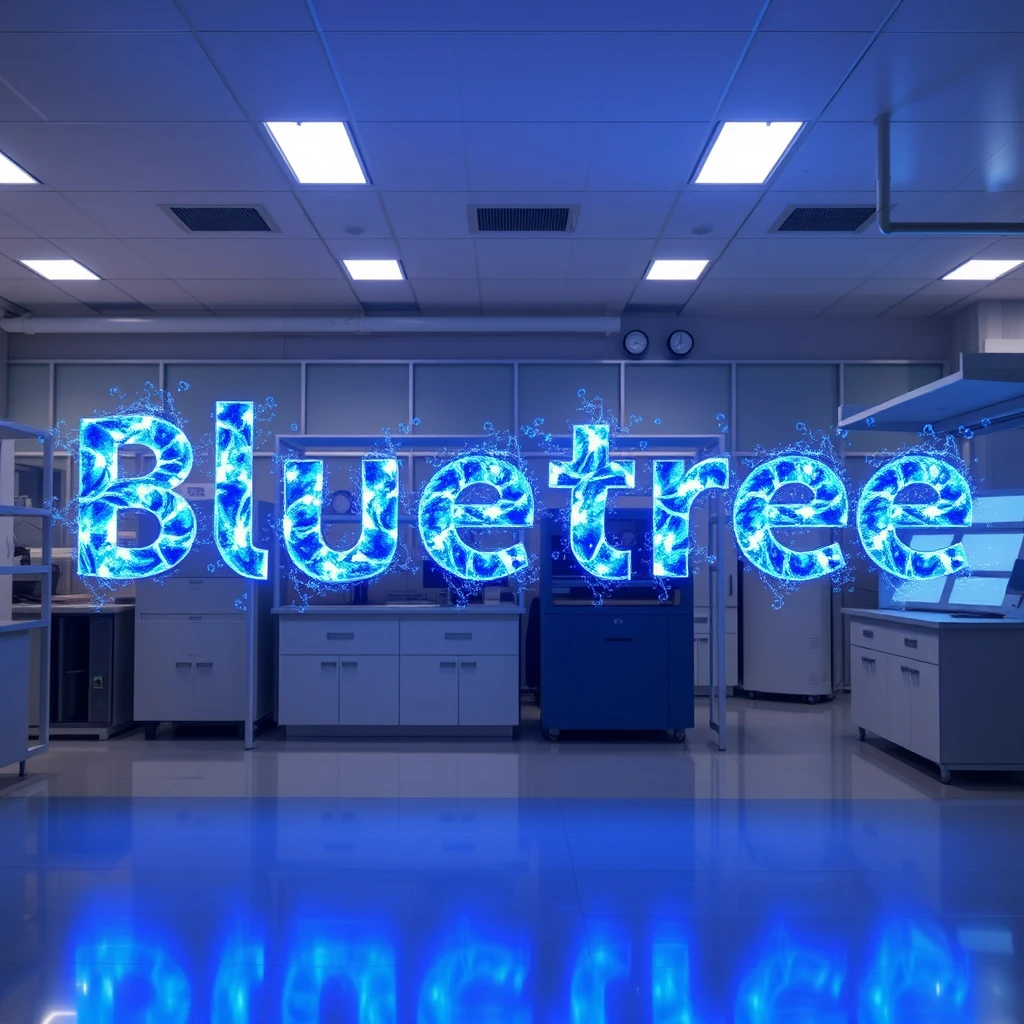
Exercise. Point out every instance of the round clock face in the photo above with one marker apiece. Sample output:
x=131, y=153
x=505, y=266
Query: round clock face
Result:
x=635, y=343
x=680, y=343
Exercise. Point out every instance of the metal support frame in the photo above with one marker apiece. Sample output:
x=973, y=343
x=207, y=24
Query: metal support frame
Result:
x=883, y=184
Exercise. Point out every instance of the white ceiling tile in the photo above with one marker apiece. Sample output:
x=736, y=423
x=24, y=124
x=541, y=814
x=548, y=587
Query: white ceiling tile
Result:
x=11, y=228
x=427, y=214
x=49, y=213
x=570, y=296
x=1010, y=287
x=39, y=296
x=711, y=298
x=669, y=76
x=37, y=248
x=332, y=211
x=414, y=155
x=362, y=248
x=244, y=15
x=662, y=293
x=96, y=293
x=301, y=87
x=1003, y=169
x=398, y=76
x=273, y=294
x=635, y=157
x=160, y=294
x=622, y=214
x=790, y=76
x=936, y=76
x=263, y=258
x=527, y=157
x=722, y=210
x=803, y=259
x=384, y=293
x=75, y=16
x=609, y=258
x=107, y=257
x=893, y=289
x=118, y=76
x=931, y=258
x=439, y=258
x=145, y=156
x=16, y=108
x=437, y=295
x=815, y=16
x=706, y=247
x=996, y=16
x=523, y=258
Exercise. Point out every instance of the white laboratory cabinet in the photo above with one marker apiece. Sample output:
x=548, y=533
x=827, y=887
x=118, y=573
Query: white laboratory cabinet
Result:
x=946, y=688
x=375, y=668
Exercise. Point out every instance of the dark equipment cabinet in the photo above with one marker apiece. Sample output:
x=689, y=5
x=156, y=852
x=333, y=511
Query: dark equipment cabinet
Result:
x=624, y=664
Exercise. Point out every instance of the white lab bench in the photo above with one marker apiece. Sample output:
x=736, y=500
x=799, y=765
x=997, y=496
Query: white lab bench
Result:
x=947, y=688
x=398, y=669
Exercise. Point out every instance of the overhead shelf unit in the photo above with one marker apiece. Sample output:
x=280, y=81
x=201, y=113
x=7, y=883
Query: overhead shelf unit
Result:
x=986, y=392
x=16, y=636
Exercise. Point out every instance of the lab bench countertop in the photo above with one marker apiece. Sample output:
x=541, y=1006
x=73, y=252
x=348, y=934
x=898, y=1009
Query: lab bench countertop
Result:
x=401, y=609
x=932, y=620
x=74, y=608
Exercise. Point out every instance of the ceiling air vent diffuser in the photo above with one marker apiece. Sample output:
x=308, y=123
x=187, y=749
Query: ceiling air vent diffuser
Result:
x=523, y=218
x=221, y=218
x=826, y=218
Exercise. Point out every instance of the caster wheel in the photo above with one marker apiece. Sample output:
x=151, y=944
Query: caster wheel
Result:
x=862, y=732
x=151, y=728
x=552, y=734
x=944, y=776
x=679, y=735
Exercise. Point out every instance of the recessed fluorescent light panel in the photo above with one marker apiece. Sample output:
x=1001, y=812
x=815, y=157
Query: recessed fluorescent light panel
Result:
x=676, y=270
x=318, y=152
x=12, y=174
x=374, y=270
x=982, y=270
x=746, y=152
x=60, y=270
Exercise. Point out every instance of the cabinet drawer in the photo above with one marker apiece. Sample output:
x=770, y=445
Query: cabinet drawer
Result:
x=907, y=643
x=869, y=635
x=353, y=635
x=196, y=594
x=457, y=635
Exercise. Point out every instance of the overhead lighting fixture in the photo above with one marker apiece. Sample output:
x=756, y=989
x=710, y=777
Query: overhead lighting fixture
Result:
x=60, y=270
x=12, y=174
x=746, y=152
x=675, y=270
x=982, y=270
x=318, y=152
x=374, y=270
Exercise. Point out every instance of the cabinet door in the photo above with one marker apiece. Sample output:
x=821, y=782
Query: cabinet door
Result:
x=868, y=686
x=429, y=690
x=368, y=689
x=924, y=708
x=164, y=664
x=702, y=660
x=220, y=676
x=307, y=690
x=489, y=690
x=898, y=703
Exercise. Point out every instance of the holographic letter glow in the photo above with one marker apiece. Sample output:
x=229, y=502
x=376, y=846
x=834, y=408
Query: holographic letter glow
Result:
x=475, y=982
x=590, y=475
x=880, y=515
x=101, y=495
x=369, y=970
x=754, y=517
x=232, y=513
x=441, y=516
x=675, y=490
x=303, y=535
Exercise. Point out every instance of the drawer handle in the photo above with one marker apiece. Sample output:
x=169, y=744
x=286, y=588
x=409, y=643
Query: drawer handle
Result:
x=447, y=664
x=183, y=664
x=700, y=618
x=702, y=639
x=867, y=633
x=195, y=618
x=869, y=664
x=350, y=664
x=469, y=664
x=907, y=642
x=328, y=664
x=618, y=639
x=458, y=636
x=204, y=664
x=341, y=636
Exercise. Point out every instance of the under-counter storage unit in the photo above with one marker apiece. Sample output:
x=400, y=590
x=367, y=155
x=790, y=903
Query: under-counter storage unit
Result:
x=946, y=688
x=375, y=668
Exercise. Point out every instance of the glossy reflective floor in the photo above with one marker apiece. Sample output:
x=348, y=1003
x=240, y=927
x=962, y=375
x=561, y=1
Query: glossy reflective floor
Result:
x=800, y=877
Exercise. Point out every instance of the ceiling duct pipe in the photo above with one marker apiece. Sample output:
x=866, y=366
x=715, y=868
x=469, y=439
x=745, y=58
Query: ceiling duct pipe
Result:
x=883, y=183
x=312, y=325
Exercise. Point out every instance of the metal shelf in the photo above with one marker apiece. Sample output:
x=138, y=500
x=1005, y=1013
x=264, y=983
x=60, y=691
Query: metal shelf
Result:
x=15, y=625
x=24, y=510
x=25, y=570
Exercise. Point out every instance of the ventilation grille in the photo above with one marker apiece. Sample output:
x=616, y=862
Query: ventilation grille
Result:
x=221, y=218
x=827, y=218
x=523, y=218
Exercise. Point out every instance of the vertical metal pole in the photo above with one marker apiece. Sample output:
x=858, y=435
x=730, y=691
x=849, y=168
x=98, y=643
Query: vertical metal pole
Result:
x=250, y=695
x=46, y=587
x=718, y=619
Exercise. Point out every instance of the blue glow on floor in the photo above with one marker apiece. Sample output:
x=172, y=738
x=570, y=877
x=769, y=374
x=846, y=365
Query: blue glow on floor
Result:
x=331, y=911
